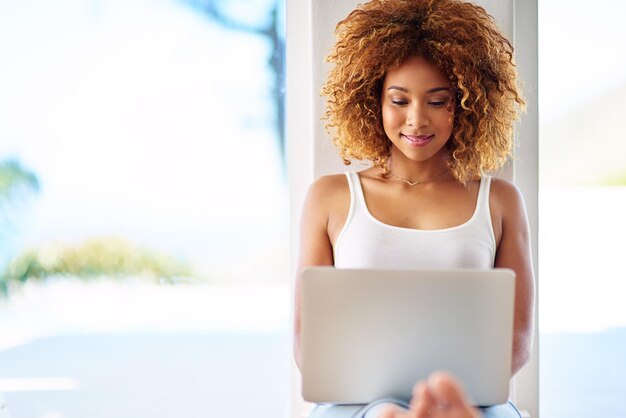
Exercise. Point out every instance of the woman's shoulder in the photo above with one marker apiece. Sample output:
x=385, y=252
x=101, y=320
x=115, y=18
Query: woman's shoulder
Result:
x=506, y=197
x=334, y=185
x=503, y=189
x=328, y=191
x=327, y=201
x=328, y=185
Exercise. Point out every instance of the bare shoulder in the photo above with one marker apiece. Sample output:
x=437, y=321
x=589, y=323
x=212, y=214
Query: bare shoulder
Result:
x=328, y=185
x=505, y=194
x=327, y=191
x=507, y=202
x=328, y=203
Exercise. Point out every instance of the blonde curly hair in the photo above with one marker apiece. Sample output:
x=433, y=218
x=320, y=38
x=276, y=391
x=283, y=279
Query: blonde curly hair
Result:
x=458, y=37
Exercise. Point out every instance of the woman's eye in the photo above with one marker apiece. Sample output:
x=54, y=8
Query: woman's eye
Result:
x=398, y=102
x=439, y=103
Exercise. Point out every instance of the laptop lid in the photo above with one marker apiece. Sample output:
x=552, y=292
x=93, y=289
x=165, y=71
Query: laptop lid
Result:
x=371, y=334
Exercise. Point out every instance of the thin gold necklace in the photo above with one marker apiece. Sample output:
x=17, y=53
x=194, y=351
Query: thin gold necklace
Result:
x=415, y=183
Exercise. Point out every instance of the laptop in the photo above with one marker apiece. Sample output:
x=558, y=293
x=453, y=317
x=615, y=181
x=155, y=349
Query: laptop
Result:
x=372, y=334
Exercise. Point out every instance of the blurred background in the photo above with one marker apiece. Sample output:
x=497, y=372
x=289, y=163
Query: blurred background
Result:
x=582, y=207
x=143, y=209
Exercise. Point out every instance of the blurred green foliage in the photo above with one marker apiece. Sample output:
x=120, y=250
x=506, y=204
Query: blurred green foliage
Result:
x=17, y=184
x=96, y=258
x=616, y=180
x=14, y=177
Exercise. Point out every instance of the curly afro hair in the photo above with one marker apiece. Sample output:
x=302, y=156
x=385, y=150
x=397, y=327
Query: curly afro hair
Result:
x=458, y=37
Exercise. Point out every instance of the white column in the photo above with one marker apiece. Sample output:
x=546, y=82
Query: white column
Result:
x=299, y=144
x=526, y=176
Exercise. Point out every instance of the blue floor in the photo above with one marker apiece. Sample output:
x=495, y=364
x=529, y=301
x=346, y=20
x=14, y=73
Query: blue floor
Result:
x=244, y=375
x=583, y=375
x=156, y=376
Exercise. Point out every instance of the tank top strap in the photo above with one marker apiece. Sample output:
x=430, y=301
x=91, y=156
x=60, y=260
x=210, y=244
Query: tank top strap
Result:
x=357, y=199
x=483, y=211
x=483, y=195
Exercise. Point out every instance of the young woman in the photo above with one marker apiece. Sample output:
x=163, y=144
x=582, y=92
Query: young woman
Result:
x=426, y=91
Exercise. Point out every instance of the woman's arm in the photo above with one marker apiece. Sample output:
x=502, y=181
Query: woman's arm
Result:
x=513, y=252
x=316, y=249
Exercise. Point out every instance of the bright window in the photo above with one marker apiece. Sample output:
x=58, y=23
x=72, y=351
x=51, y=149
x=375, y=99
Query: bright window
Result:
x=582, y=320
x=143, y=223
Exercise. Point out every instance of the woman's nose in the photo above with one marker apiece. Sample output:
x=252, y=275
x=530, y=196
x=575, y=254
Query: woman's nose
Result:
x=417, y=116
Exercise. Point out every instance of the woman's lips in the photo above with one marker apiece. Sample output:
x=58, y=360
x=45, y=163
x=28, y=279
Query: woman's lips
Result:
x=418, y=140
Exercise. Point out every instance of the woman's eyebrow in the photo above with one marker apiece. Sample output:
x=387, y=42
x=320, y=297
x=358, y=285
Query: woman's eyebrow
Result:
x=433, y=90
x=437, y=89
x=402, y=89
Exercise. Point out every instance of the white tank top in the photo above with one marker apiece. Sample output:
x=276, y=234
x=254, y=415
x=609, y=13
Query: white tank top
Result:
x=366, y=242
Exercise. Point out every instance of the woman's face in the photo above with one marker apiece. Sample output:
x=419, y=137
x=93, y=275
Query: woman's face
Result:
x=417, y=106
